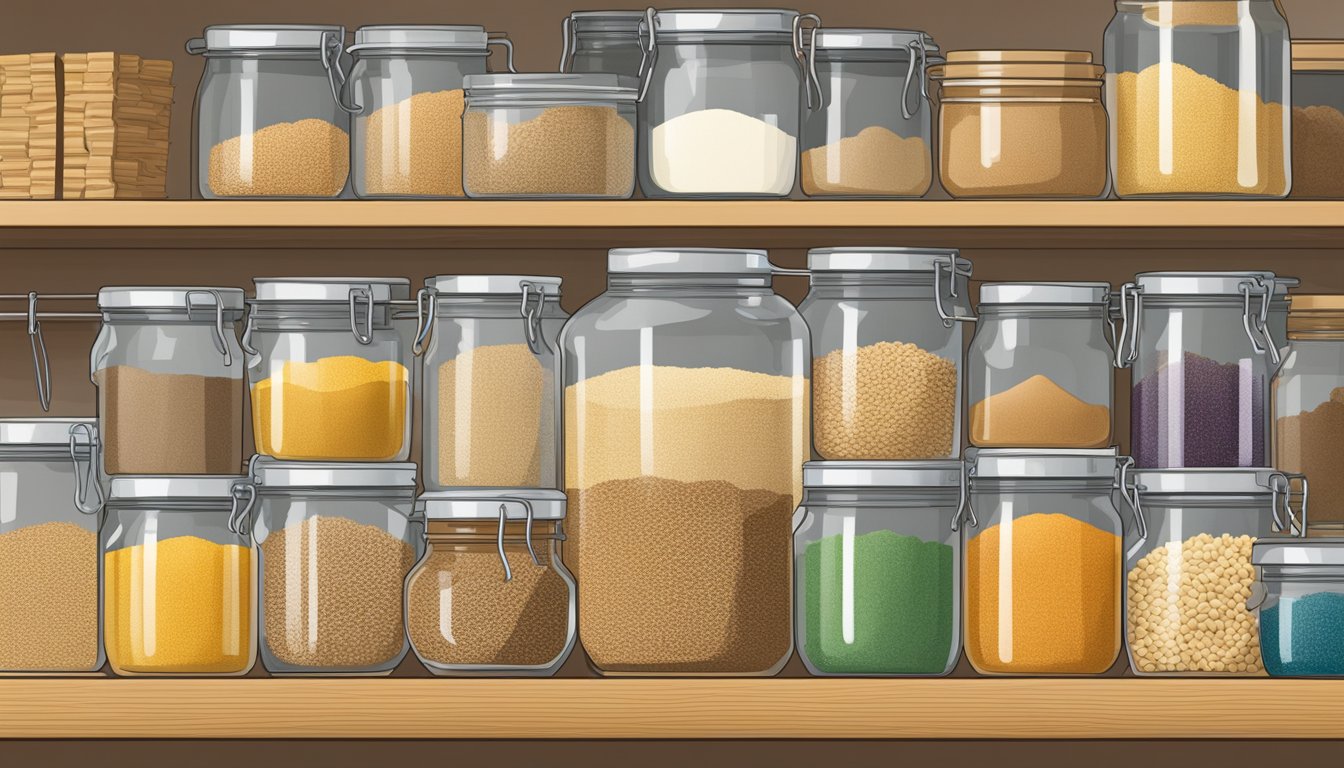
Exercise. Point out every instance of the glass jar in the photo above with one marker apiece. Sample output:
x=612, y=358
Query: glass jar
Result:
x=1201, y=354
x=49, y=617
x=886, y=329
x=407, y=85
x=1318, y=119
x=1040, y=368
x=1188, y=581
x=490, y=597
x=1198, y=93
x=719, y=105
x=330, y=369
x=549, y=136
x=602, y=41
x=268, y=120
x=335, y=543
x=1021, y=124
x=490, y=380
x=1042, y=544
x=179, y=581
x=686, y=423
x=1299, y=602
x=862, y=137
x=169, y=373
x=877, y=575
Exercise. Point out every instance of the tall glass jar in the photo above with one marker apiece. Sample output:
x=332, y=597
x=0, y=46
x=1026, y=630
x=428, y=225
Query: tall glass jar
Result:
x=269, y=122
x=877, y=575
x=169, y=372
x=490, y=380
x=328, y=364
x=1318, y=119
x=602, y=41
x=1198, y=93
x=863, y=134
x=686, y=423
x=1040, y=368
x=886, y=329
x=1299, y=605
x=719, y=108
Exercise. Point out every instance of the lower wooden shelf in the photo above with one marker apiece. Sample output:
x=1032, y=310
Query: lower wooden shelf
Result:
x=1114, y=708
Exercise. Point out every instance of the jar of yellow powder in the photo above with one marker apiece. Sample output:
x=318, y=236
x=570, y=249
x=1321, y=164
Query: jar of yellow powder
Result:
x=328, y=365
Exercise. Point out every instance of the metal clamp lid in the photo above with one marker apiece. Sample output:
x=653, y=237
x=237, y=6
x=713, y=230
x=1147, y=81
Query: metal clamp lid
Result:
x=536, y=504
x=532, y=292
x=41, y=362
x=1252, y=287
x=86, y=478
x=918, y=45
x=273, y=474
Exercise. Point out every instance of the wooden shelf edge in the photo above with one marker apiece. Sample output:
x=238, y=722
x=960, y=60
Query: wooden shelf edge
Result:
x=1116, y=708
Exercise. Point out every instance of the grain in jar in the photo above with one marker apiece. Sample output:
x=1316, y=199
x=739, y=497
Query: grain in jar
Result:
x=1308, y=405
x=1318, y=119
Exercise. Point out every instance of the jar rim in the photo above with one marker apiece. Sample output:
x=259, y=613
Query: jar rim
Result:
x=181, y=298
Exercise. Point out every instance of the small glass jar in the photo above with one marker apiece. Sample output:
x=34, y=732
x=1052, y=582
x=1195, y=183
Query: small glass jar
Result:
x=1043, y=560
x=49, y=575
x=886, y=329
x=169, y=372
x=490, y=597
x=329, y=369
x=490, y=382
x=1040, y=371
x=179, y=580
x=269, y=122
x=863, y=136
x=720, y=102
x=877, y=574
x=602, y=41
x=406, y=83
x=1299, y=602
x=1318, y=119
x=335, y=543
x=549, y=136
x=1190, y=575
x=1024, y=124
x=1202, y=356
x=1198, y=94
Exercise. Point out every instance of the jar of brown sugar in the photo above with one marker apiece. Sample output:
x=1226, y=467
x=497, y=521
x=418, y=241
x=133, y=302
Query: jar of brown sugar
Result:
x=1021, y=124
x=1318, y=119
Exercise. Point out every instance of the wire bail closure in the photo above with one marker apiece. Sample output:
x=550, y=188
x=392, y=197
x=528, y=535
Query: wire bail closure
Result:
x=531, y=312
x=239, y=516
x=502, y=40
x=88, y=478
x=1281, y=500
x=41, y=363
x=221, y=343
x=527, y=535
x=332, y=47
x=955, y=267
x=1129, y=491
x=364, y=293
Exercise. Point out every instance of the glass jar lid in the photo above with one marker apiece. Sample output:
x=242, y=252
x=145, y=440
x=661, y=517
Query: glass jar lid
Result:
x=1206, y=481
x=184, y=298
x=883, y=259
x=508, y=285
x=598, y=22
x=1206, y=283
x=1045, y=293
x=1318, y=55
x=882, y=474
x=701, y=261
x=1316, y=313
x=1038, y=464
x=277, y=37
x=184, y=487
x=590, y=86
x=1018, y=65
x=839, y=39
x=693, y=22
x=436, y=37
x=271, y=474
x=1298, y=552
x=486, y=504
x=326, y=290
x=46, y=432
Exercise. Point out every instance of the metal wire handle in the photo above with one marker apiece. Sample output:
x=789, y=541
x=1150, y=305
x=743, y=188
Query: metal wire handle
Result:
x=88, y=478
x=531, y=312
x=648, y=54
x=1281, y=493
x=963, y=501
x=527, y=535
x=915, y=45
x=954, y=267
x=426, y=307
x=567, y=45
x=364, y=337
x=1131, y=320
x=221, y=344
x=1246, y=315
x=500, y=39
x=1130, y=492
x=967, y=472
x=810, y=74
x=238, y=516
x=806, y=61
x=332, y=48
x=1262, y=320
x=41, y=363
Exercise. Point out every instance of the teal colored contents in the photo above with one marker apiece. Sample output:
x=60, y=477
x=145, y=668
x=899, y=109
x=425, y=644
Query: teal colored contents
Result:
x=903, y=606
x=1312, y=643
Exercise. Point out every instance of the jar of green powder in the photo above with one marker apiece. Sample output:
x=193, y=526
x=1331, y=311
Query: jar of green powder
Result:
x=878, y=567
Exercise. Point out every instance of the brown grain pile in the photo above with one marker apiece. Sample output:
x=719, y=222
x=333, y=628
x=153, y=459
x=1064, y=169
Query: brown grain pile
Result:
x=1310, y=443
x=117, y=113
x=169, y=423
x=414, y=147
x=331, y=593
x=1318, y=152
x=49, y=599
x=567, y=150
x=876, y=161
x=28, y=114
x=1038, y=413
x=1026, y=149
x=308, y=158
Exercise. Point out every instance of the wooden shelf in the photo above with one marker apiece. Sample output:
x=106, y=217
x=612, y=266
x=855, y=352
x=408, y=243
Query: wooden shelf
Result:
x=1114, y=708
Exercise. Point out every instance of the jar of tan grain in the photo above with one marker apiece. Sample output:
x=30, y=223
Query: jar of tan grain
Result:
x=1318, y=119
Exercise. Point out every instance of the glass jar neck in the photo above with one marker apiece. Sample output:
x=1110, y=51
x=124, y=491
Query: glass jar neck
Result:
x=204, y=317
x=999, y=91
x=982, y=485
x=487, y=531
x=849, y=497
x=1328, y=574
x=1042, y=311
x=681, y=284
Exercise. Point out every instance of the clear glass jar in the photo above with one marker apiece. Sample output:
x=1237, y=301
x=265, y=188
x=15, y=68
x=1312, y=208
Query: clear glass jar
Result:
x=1042, y=546
x=720, y=101
x=1198, y=93
x=1190, y=575
x=877, y=574
x=1299, y=603
x=490, y=381
x=1040, y=370
x=406, y=83
x=1318, y=119
x=549, y=136
x=179, y=579
x=686, y=423
x=1021, y=124
x=169, y=373
x=886, y=329
x=49, y=574
x=863, y=136
x=602, y=41
x=268, y=118
x=1308, y=404
x=1202, y=356
x=334, y=544
x=329, y=368
x=491, y=597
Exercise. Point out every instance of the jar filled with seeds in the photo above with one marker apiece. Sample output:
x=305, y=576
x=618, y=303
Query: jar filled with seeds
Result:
x=270, y=122
x=1318, y=119
x=491, y=596
x=335, y=542
x=1299, y=604
x=490, y=380
x=886, y=329
x=602, y=41
x=1308, y=399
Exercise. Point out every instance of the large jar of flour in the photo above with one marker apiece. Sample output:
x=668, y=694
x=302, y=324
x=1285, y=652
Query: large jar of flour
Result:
x=720, y=103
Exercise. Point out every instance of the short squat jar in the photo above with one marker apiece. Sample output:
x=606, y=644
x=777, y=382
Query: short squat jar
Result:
x=1299, y=601
x=1040, y=368
x=602, y=41
x=490, y=597
x=877, y=573
x=335, y=542
x=887, y=335
x=1318, y=119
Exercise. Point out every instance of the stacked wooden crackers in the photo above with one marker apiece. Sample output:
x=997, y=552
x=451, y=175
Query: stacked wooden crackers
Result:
x=28, y=118
x=117, y=109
